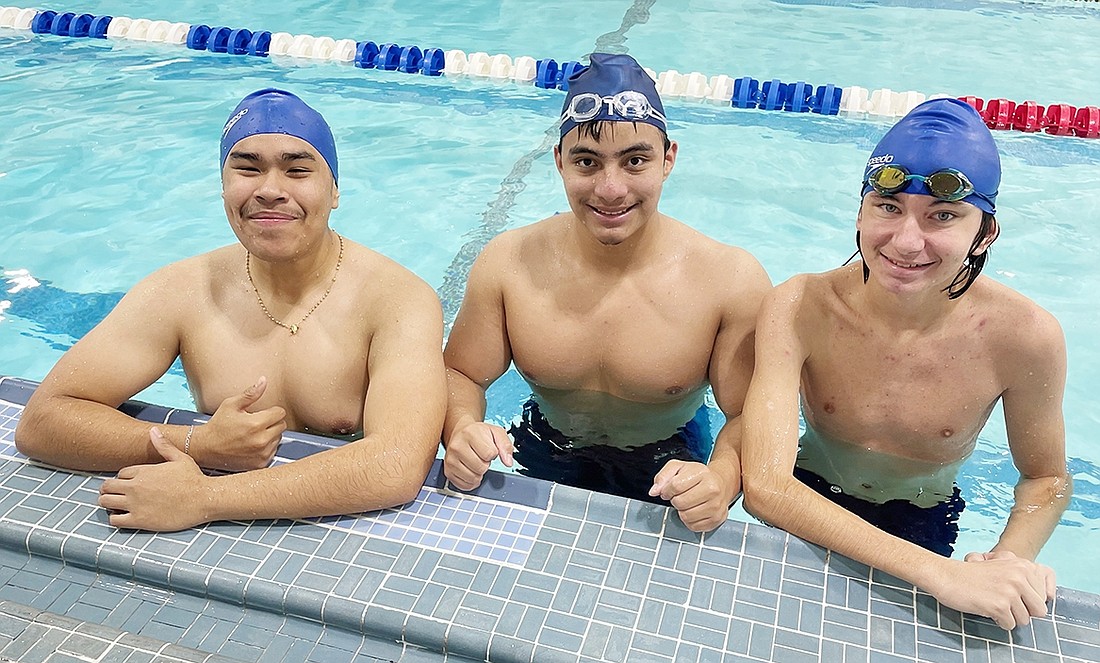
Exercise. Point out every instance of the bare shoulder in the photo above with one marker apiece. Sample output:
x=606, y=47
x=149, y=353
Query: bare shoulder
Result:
x=711, y=252
x=731, y=267
x=183, y=285
x=140, y=337
x=383, y=282
x=807, y=298
x=786, y=298
x=366, y=262
x=525, y=242
x=524, y=248
x=1018, y=326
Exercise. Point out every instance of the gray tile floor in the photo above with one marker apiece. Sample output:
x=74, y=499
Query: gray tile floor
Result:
x=518, y=572
x=29, y=634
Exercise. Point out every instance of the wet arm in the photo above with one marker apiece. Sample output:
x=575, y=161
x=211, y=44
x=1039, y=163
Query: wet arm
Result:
x=478, y=351
x=1036, y=434
x=770, y=447
x=71, y=420
x=731, y=369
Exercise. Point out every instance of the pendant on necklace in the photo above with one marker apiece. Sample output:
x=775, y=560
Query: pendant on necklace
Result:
x=293, y=330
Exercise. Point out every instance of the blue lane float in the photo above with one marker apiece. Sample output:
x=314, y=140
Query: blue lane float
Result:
x=42, y=22
x=260, y=44
x=237, y=41
x=798, y=96
x=219, y=39
x=771, y=95
x=746, y=92
x=223, y=39
x=81, y=25
x=433, y=62
x=62, y=23
x=826, y=100
x=546, y=73
x=567, y=71
x=197, y=37
x=98, y=28
x=366, y=52
x=409, y=60
x=388, y=58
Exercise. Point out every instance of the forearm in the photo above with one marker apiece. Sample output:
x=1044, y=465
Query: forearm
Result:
x=797, y=509
x=84, y=435
x=1039, y=504
x=725, y=459
x=366, y=475
x=465, y=403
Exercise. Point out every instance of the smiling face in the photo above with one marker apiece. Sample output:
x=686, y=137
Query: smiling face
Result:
x=911, y=243
x=614, y=182
x=278, y=193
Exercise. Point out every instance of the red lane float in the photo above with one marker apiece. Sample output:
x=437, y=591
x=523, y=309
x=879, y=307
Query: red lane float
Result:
x=1029, y=116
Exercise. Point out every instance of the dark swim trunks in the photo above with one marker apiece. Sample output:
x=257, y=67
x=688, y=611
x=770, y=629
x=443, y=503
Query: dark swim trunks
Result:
x=935, y=528
x=546, y=453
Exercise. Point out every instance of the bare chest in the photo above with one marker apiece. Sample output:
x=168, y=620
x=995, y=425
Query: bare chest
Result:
x=924, y=399
x=317, y=375
x=634, y=344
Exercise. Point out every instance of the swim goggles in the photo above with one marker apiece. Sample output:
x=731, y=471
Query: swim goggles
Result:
x=946, y=184
x=628, y=105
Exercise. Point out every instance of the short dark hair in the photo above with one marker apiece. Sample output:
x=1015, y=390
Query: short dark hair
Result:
x=594, y=128
x=972, y=266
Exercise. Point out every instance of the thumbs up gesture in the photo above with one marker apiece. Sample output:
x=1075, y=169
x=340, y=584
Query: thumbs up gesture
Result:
x=239, y=437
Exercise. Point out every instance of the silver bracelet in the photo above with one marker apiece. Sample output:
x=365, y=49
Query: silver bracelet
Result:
x=187, y=440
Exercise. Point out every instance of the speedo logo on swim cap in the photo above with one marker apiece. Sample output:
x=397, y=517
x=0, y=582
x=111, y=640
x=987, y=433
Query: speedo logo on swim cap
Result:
x=232, y=121
x=873, y=161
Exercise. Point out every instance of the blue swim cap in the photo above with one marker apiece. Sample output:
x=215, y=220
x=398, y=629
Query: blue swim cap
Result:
x=938, y=134
x=271, y=111
x=613, y=88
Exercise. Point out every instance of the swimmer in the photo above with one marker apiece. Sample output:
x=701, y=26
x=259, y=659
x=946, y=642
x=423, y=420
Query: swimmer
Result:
x=616, y=315
x=294, y=327
x=899, y=360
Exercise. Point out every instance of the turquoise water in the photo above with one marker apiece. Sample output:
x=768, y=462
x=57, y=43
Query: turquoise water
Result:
x=108, y=166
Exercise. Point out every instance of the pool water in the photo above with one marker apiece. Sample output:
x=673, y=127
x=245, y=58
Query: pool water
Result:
x=108, y=167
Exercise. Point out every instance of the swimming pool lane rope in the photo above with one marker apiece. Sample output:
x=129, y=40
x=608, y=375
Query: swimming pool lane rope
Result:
x=743, y=92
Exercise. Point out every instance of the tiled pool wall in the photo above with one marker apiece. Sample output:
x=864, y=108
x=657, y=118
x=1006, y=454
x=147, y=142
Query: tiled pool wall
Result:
x=519, y=571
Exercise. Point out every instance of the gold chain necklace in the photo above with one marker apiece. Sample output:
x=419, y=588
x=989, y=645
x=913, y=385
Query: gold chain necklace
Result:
x=293, y=328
